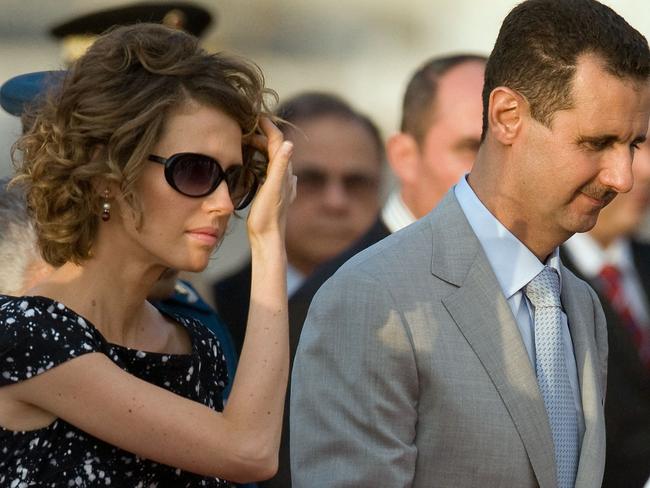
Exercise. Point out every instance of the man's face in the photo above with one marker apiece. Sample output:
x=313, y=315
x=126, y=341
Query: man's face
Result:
x=569, y=171
x=338, y=167
x=450, y=144
x=623, y=216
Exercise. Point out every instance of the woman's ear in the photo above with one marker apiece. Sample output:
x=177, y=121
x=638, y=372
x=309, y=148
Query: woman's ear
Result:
x=506, y=113
x=403, y=156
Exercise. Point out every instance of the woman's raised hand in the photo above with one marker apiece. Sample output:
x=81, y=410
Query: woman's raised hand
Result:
x=269, y=209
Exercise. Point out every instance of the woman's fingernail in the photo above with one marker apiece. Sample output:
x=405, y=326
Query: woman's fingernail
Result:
x=287, y=146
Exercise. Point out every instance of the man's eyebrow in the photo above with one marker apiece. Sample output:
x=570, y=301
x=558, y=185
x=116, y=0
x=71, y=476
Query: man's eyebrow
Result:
x=608, y=139
x=604, y=139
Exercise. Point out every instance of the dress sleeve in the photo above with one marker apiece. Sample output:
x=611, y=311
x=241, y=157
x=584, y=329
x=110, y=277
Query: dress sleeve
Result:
x=37, y=334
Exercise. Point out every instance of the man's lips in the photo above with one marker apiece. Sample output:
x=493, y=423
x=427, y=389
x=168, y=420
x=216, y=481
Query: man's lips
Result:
x=600, y=201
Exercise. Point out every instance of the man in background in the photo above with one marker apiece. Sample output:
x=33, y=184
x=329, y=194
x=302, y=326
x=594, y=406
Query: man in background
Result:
x=338, y=157
x=617, y=266
x=437, y=143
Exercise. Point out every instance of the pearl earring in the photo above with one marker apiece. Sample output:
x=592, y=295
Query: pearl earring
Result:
x=106, y=207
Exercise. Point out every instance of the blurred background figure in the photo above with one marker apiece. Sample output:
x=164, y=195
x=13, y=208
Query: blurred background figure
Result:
x=77, y=34
x=617, y=265
x=437, y=143
x=20, y=260
x=338, y=157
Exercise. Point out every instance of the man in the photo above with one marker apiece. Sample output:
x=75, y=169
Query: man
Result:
x=617, y=265
x=437, y=143
x=459, y=351
x=338, y=155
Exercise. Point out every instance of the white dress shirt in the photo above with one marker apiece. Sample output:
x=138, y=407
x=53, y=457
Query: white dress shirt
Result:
x=590, y=258
x=295, y=280
x=395, y=214
x=514, y=266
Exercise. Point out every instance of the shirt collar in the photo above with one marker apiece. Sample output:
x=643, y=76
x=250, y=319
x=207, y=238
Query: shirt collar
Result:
x=395, y=214
x=512, y=262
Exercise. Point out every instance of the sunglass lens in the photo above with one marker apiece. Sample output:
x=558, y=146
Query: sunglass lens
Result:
x=194, y=175
x=242, y=185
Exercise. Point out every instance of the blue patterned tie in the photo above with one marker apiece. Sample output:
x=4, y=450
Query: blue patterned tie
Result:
x=543, y=291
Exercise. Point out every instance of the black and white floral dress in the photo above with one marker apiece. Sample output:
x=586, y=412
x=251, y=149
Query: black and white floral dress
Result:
x=36, y=334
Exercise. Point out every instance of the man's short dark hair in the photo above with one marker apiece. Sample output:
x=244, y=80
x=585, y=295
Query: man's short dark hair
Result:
x=538, y=46
x=314, y=105
x=418, y=107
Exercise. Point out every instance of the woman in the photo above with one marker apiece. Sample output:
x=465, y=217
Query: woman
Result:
x=135, y=167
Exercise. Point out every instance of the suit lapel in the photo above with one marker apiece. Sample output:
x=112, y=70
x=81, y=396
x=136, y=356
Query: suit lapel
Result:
x=484, y=318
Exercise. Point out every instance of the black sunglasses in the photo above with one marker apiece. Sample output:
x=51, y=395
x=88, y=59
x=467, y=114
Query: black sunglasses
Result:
x=197, y=175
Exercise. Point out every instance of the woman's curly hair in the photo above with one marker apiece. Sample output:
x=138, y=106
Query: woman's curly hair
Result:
x=102, y=121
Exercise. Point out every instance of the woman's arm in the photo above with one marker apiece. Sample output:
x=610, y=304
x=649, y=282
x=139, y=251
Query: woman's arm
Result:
x=95, y=395
x=257, y=398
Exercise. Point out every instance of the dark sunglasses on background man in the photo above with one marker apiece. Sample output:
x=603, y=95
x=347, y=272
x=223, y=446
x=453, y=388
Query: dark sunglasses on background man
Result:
x=197, y=175
x=313, y=181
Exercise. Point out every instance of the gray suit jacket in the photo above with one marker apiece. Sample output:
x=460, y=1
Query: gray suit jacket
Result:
x=411, y=372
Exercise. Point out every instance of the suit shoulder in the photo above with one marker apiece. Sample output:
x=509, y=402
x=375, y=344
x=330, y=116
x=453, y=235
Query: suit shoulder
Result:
x=395, y=252
x=313, y=282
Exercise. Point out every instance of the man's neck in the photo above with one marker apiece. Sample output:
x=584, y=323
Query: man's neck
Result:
x=535, y=235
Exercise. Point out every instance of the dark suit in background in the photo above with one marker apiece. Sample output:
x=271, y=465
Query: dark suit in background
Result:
x=627, y=407
x=232, y=297
x=301, y=299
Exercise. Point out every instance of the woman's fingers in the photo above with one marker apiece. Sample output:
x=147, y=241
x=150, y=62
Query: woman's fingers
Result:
x=278, y=175
x=273, y=135
x=259, y=142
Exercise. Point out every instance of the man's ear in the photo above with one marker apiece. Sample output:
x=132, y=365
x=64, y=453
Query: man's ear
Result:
x=506, y=112
x=403, y=155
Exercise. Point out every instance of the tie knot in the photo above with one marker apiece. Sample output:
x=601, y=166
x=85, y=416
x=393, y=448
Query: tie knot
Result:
x=544, y=289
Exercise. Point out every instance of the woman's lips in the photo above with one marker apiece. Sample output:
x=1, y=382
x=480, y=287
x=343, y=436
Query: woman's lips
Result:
x=208, y=236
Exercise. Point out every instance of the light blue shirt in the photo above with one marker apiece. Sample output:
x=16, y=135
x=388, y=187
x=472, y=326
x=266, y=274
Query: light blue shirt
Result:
x=514, y=266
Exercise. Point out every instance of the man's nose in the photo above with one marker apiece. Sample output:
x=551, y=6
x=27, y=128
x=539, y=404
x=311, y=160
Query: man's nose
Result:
x=617, y=174
x=335, y=194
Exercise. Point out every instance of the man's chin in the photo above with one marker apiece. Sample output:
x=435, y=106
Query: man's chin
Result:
x=585, y=224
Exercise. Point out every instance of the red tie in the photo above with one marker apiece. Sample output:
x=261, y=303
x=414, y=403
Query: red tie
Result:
x=612, y=288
